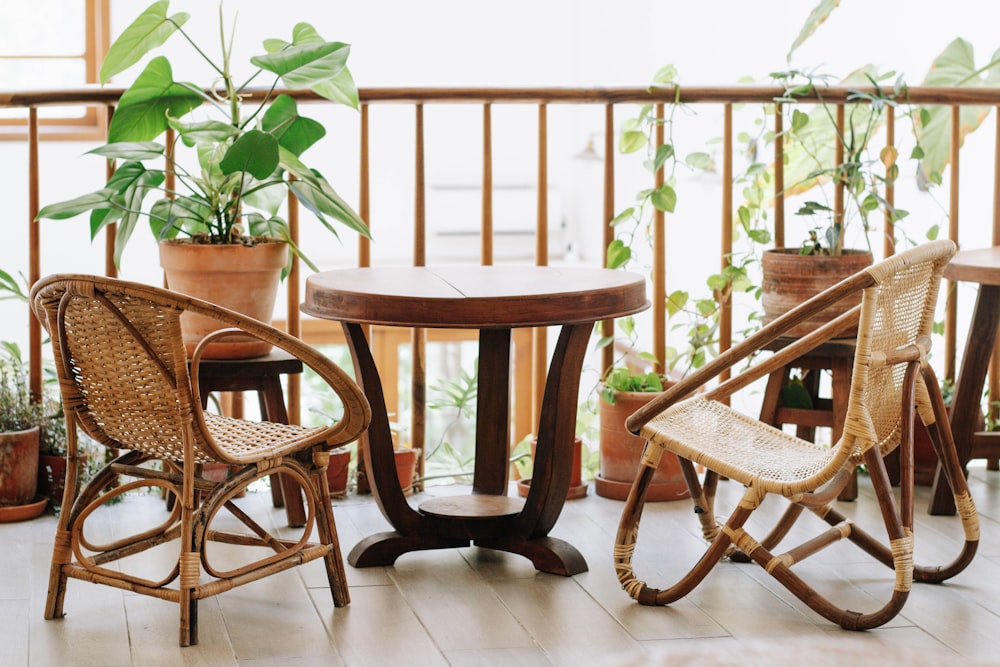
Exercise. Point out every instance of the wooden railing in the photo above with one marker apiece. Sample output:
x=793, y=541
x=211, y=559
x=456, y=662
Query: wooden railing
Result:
x=608, y=99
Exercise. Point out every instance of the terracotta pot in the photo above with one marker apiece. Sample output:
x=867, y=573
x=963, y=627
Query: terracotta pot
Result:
x=238, y=277
x=336, y=471
x=577, y=489
x=621, y=453
x=406, y=468
x=19, y=466
x=789, y=278
x=52, y=477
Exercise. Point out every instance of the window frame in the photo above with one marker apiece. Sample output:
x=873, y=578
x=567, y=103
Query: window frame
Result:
x=93, y=123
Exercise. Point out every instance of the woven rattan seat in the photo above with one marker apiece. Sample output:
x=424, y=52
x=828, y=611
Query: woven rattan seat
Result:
x=891, y=382
x=125, y=380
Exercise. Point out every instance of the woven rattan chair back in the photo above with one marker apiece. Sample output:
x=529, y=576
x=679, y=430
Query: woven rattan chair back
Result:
x=124, y=369
x=125, y=381
x=891, y=382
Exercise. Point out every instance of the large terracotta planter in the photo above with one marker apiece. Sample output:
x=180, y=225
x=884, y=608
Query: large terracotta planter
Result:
x=238, y=277
x=789, y=278
x=621, y=453
x=18, y=466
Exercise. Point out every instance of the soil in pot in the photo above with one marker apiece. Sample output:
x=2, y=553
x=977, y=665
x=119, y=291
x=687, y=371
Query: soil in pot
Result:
x=238, y=277
x=789, y=278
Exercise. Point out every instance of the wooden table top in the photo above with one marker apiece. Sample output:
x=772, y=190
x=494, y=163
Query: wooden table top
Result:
x=977, y=266
x=474, y=297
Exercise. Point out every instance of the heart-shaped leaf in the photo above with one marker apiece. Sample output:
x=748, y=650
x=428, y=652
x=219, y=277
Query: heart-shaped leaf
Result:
x=151, y=29
x=142, y=111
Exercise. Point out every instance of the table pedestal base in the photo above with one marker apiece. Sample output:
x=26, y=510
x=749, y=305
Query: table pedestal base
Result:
x=547, y=554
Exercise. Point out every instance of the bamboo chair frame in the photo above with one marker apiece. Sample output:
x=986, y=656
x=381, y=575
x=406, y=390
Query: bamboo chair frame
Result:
x=125, y=381
x=891, y=381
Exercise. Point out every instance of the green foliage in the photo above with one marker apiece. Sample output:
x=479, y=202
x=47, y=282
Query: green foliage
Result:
x=622, y=379
x=955, y=66
x=242, y=163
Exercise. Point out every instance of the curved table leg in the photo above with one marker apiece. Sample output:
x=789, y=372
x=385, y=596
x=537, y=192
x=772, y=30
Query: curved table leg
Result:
x=969, y=389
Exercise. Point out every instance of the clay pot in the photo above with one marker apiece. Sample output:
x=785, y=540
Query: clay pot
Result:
x=238, y=277
x=621, y=453
x=577, y=489
x=789, y=278
x=19, y=466
x=52, y=477
x=406, y=467
x=336, y=471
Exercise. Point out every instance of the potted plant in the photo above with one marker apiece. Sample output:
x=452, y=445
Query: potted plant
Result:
x=821, y=152
x=222, y=206
x=21, y=420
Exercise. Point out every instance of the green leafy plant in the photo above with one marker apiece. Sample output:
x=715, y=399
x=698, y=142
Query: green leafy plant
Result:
x=811, y=143
x=248, y=156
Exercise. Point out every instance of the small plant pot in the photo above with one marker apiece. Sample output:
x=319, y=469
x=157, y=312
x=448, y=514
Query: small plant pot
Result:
x=19, y=466
x=52, y=477
x=406, y=468
x=337, y=471
x=577, y=489
x=621, y=454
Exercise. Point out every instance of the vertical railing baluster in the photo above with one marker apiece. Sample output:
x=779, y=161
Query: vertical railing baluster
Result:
x=951, y=310
x=34, y=256
x=779, y=175
x=608, y=234
x=111, y=231
x=889, y=238
x=293, y=322
x=726, y=312
x=659, y=276
x=486, y=233
x=838, y=190
x=539, y=341
x=364, y=196
x=418, y=381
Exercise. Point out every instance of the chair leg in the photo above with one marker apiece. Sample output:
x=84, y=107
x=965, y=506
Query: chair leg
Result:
x=628, y=532
x=336, y=573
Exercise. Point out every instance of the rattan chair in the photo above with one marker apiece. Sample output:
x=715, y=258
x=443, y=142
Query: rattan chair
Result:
x=125, y=381
x=891, y=380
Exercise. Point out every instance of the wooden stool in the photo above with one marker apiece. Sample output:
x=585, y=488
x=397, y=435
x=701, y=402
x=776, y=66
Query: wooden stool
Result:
x=262, y=375
x=837, y=357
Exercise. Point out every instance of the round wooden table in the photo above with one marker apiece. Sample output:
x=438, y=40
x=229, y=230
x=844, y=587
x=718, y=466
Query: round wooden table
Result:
x=494, y=300
x=980, y=266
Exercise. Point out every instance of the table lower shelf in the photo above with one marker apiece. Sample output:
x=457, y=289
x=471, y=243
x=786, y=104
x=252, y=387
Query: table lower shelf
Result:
x=475, y=506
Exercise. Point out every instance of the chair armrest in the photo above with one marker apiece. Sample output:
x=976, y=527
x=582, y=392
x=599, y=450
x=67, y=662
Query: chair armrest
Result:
x=357, y=412
x=754, y=344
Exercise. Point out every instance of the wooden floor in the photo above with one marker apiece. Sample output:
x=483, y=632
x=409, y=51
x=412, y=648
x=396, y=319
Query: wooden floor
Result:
x=472, y=606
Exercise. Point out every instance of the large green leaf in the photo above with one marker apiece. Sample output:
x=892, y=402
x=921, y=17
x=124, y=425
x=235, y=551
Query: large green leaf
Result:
x=955, y=66
x=131, y=150
x=151, y=29
x=293, y=132
x=202, y=132
x=74, y=207
x=338, y=88
x=305, y=65
x=317, y=195
x=817, y=16
x=254, y=152
x=131, y=203
x=142, y=111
